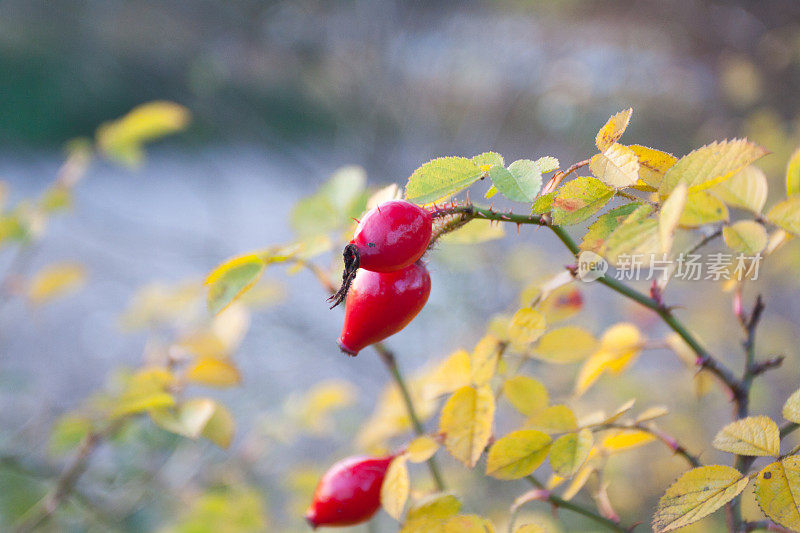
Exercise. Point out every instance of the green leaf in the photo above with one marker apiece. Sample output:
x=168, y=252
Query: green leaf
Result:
x=521, y=182
x=710, y=165
x=518, y=454
x=670, y=214
x=543, y=203
x=791, y=409
x=579, y=199
x=438, y=506
x=606, y=223
x=703, y=208
x=547, y=164
x=441, y=178
x=68, y=432
x=466, y=423
x=570, y=452
x=696, y=494
x=633, y=237
x=793, y=174
x=617, y=166
x=786, y=215
x=746, y=236
x=553, y=419
x=526, y=394
x=747, y=189
x=487, y=160
x=754, y=435
x=778, y=492
x=231, y=279
x=220, y=428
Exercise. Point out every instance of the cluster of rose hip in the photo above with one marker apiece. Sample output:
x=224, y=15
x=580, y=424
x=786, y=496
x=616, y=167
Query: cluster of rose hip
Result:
x=385, y=282
x=386, y=285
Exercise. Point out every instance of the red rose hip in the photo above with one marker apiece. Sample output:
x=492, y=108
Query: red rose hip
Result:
x=388, y=238
x=349, y=492
x=382, y=303
x=392, y=236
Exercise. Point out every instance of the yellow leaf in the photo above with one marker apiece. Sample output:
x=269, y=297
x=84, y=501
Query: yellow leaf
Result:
x=778, y=492
x=483, y=363
x=220, y=427
x=395, y=488
x=518, y=454
x=619, y=347
x=634, y=237
x=620, y=412
x=530, y=528
x=466, y=423
x=231, y=279
x=754, y=435
x=561, y=303
x=187, y=419
x=786, y=215
x=526, y=326
x=747, y=189
x=569, y=452
x=696, y=494
x=651, y=413
x=616, y=166
x=213, y=372
x=55, y=280
x=791, y=409
x=145, y=390
x=421, y=449
x=438, y=506
x=578, y=481
x=626, y=439
x=671, y=211
x=314, y=409
x=710, y=165
x=553, y=419
x=653, y=164
x=122, y=139
x=703, y=208
x=475, y=232
x=793, y=174
x=745, y=236
x=526, y=394
x=565, y=345
x=623, y=341
x=452, y=374
x=613, y=129
x=468, y=524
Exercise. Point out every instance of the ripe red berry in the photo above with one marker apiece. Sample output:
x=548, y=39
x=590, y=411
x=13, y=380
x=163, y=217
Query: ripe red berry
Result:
x=392, y=236
x=382, y=303
x=349, y=492
x=388, y=238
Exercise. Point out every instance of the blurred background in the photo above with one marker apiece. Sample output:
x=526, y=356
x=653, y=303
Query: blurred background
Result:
x=281, y=95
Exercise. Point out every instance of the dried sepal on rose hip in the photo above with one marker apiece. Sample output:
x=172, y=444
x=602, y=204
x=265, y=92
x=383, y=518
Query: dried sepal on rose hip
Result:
x=382, y=303
x=390, y=237
x=349, y=493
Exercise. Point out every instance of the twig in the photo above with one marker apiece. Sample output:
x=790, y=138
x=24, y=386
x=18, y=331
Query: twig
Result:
x=65, y=483
x=668, y=440
x=556, y=501
x=390, y=362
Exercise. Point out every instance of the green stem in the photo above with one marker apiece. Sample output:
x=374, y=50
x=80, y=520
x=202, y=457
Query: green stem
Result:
x=577, y=508
x=391, y=363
